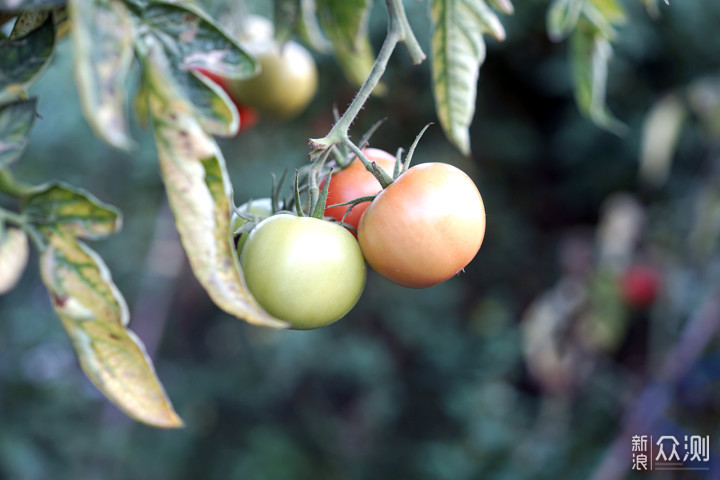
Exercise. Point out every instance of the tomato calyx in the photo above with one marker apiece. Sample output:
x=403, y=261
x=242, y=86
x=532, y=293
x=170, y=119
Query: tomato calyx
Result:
x=401, y=166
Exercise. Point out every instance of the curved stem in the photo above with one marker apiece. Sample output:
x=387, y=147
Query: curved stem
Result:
x=399, y=30
x=339, y=131
x=12, y=187
x=407, y=37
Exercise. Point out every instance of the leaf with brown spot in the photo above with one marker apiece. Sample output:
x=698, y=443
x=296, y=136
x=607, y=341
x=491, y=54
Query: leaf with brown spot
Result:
x=199, y=191
x=103, y=37
x=94, y=313
x=190, y=39
x=72, y=211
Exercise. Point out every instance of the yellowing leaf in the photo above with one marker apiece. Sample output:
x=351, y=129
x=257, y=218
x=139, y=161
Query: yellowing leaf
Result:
x=102, y=36
x=13, y=257
x=199, y=192
x=458, y=51
x=190, y=39
x=72, y=211
x=94, y=314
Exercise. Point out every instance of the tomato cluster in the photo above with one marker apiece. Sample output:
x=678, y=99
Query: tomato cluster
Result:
x=423, y=228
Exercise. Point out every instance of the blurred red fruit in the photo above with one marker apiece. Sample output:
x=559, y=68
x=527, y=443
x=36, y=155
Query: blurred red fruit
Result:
x=639, y=285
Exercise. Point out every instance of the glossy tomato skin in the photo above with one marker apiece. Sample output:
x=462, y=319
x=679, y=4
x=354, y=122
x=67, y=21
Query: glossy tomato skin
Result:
x=287, y=81
x=425, y=227
x=303, y=270
x=354, y=181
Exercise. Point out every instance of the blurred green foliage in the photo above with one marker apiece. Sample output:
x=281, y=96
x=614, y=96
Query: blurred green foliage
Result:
x=427, y=384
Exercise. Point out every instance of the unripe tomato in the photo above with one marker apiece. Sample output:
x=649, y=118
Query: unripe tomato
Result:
x=354, y=181
x=639, y=285
x=259, y=210
x=306, y=271
x=424, y=227
x=286, y=84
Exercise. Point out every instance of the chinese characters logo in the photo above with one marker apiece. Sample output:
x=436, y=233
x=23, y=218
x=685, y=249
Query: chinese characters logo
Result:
x=668, y=453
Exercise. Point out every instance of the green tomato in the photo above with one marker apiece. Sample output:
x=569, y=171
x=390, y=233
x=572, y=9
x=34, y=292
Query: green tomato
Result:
x=306, y=271
x=256, y=210
x=286, y=83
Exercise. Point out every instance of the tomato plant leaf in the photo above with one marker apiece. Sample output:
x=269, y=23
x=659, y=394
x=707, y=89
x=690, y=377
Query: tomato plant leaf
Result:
x=71, y=211
x=199, y=192
x=94, y=314
x=285, y=15
x=16, y=120
x=505, y=6
x=458, y=51
x=309, y=27
x=190, y=39
x=562, y=17
x=25, y=5
x=345, y=24
x=22, y=60
x=13, y=257
x=28, y=21
x=590, y=52
x=103, y=49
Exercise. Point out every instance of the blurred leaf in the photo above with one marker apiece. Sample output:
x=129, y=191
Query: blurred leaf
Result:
x=562, y=17
x=356, y=64
x=71, y=211
x=16, y=120
x=94, y=313
x=345, y=24
x=27, y=22
x=24, y=5
x=190, y=39
x=309, y=27
x=13, y=257
x=199, y=191
x=611, y=10
x=22, y=60
x=286, y=14
x=458, y=52
x=590, y=52
x=103, y=48
x=660, y=134
x=505, y=6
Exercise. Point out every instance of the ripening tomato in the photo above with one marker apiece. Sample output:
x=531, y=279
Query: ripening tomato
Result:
x=306, y=271
x=354, y=181
x=248, y=115
x=287, y=81
x=424, y=227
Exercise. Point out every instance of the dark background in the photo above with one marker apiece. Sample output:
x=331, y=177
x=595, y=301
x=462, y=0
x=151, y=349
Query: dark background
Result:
x=527, y=365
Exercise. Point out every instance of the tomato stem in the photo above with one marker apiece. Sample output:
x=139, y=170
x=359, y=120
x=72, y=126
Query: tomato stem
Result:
x=372, y=167
x=319, y=210
x=12, y=187
x=408, y=158
x=399, y=30
x=298, y=203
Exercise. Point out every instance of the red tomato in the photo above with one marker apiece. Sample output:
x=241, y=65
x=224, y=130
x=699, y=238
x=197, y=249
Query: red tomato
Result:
x=248, y=115
x=354, y=181
x=639, y=285
x=424, y=227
